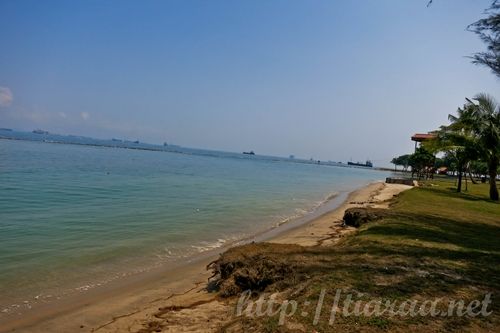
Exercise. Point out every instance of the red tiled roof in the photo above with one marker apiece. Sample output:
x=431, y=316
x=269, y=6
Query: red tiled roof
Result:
x=422, y=137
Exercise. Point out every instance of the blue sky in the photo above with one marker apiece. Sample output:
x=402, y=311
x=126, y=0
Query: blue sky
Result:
x=332, y=80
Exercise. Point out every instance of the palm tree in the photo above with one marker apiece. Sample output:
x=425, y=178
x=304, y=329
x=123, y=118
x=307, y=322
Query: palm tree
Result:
x=456, y=141
x=461, y=133
x=474, y=134
x=483, y=121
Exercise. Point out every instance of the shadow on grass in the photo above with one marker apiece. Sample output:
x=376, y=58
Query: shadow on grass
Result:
x=451, y=191
x=433, y=243
x=476, y=236
x=424, y=255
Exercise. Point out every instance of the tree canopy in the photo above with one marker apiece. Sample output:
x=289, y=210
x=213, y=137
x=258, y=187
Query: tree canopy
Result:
x=422, y=162
x=403, y=160
x=473, y=135
x=488, y=29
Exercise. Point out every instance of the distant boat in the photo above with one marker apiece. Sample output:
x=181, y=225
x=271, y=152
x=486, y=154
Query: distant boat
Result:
x=367, y=164
x=39, y=131
x=249, y=152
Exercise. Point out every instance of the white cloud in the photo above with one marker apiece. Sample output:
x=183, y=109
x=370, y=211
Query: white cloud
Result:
x=6, y=97
x=62, y=115
x=85, y=115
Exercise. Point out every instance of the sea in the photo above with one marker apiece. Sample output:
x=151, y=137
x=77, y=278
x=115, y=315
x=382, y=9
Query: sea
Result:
x=74, y=217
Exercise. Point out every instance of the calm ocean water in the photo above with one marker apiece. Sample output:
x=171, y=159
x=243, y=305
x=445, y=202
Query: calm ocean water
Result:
x=72, y=217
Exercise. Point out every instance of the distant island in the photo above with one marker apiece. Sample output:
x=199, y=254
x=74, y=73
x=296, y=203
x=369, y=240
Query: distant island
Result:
x=40, y=135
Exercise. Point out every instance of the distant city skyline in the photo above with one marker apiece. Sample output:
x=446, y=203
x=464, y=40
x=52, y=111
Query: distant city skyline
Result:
x=331, y=81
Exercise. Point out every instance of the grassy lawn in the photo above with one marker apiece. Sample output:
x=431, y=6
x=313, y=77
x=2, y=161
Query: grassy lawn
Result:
x=433, y=243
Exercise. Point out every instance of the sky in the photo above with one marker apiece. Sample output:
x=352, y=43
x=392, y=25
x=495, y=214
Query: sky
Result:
x=331, y=80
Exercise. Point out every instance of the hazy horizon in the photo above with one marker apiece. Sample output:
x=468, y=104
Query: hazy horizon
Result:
x=331, y=81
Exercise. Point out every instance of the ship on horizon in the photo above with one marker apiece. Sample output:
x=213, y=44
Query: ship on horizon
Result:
x=39, y=131
x=367, y=164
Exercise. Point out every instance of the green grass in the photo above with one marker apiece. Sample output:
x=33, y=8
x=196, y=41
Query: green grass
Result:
x=433, y=243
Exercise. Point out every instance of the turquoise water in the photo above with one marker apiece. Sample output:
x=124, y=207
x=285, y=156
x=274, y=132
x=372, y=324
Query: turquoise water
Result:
x=72, y=217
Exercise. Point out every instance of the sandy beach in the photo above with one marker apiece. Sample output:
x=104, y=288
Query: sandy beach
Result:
x=177, y=300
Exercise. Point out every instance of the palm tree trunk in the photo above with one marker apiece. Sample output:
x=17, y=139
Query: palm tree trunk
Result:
x=459, y=186
x=470, y=174
x=472, y=178
x=492, y=170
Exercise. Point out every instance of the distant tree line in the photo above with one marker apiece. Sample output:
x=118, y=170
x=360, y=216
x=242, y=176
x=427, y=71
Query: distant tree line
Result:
x=475, y=170
x=403, y=160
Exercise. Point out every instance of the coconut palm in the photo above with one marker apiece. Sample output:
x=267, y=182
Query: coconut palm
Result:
x=482, y=120
x=457, y=142
x=474, y=134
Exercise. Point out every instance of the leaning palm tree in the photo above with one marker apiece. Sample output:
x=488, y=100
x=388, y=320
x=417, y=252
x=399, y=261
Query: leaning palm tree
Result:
x=481, y=121
x=457, y=142
x=484, y=121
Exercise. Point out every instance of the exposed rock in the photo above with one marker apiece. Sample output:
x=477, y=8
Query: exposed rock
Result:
x=404, y=181
x=356, y=217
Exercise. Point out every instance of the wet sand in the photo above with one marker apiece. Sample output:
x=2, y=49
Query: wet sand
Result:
x=142, y=302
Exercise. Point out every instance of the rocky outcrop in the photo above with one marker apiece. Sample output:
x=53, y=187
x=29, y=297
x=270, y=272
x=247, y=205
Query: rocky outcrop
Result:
x=356, y=217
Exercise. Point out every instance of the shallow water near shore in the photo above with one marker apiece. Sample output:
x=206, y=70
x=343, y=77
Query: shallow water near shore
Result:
x=76, y=217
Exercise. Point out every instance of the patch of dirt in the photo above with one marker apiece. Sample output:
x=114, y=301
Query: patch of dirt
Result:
x=253, y=267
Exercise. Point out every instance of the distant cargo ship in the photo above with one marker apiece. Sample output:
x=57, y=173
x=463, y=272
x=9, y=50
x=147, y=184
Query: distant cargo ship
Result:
x=39, y=131
x=367, y=164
